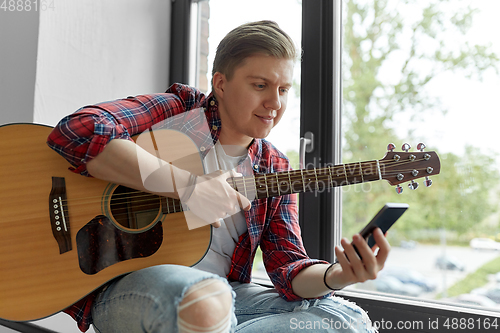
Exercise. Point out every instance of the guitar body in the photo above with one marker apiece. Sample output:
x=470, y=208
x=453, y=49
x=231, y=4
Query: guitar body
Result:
x=42, y=273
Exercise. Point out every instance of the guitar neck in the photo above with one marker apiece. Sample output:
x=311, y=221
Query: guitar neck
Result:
x=307, y=180
x=395, y=167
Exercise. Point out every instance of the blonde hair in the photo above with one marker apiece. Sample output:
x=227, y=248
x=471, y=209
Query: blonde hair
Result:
x=262, y=37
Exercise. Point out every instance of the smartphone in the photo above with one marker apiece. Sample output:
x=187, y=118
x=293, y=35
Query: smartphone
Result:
x=384, y=219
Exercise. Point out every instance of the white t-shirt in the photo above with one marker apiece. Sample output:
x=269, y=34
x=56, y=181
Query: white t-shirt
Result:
x=224, y=238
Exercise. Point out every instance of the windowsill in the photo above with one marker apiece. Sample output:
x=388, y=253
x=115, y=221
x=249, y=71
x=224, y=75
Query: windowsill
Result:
x=388, y=311
x=430, y=305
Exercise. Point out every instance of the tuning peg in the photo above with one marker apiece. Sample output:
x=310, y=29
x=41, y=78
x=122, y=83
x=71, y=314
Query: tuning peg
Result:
x=413, y=185
x=421, y=146
x=406, y=147
x=391, y=147
x=427, y=182
x=399, y=189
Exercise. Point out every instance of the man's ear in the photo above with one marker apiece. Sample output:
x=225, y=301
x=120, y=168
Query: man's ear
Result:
x=218, y=82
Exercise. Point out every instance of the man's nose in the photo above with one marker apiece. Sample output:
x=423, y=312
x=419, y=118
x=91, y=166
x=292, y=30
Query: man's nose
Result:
x=273, y=100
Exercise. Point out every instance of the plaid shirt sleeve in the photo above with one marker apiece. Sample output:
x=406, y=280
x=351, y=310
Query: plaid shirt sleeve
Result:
x=273, y=224
x=283, y=252
x=82, y=135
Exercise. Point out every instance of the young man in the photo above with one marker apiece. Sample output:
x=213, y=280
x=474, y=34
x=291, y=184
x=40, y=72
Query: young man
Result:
x=251, y=78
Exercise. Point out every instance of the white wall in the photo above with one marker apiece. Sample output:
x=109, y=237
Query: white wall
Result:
x=88, y=51
x=18, y=41
x=92, y=51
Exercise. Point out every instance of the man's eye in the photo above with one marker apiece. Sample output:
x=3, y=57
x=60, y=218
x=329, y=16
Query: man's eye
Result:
x=260, y=86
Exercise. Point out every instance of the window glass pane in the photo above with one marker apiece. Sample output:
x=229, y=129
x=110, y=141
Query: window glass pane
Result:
x=228, y=14
x=427, y=71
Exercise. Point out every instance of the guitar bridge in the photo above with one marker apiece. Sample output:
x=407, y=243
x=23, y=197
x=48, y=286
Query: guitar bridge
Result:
x=59, y=218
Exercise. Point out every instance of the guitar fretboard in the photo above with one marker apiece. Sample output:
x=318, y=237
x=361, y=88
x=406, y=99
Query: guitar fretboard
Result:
x=295, y=181
x=306, y=180
x=394, y=167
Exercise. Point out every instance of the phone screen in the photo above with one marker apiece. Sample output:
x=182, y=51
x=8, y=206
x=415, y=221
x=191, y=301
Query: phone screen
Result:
x=384, y=219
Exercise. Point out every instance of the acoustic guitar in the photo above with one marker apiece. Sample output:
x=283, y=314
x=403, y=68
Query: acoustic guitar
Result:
x=62, y=235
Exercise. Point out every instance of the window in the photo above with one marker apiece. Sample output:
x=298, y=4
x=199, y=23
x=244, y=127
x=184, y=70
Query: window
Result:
x=427, y=72
x=228, y=14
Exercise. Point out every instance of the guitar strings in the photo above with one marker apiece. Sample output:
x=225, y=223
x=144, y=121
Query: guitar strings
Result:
x=296, y=175
x=172, y=204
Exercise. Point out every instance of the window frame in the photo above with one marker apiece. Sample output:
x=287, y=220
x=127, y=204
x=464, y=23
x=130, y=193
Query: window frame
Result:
x=180, y=41
x=321, y=213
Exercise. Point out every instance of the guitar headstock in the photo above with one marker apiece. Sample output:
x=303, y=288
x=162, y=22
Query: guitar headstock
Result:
x=400, y=167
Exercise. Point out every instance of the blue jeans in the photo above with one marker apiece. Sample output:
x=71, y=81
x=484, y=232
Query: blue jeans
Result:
x=147, y=301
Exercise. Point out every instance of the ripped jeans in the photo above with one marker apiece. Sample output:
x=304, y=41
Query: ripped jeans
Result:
x=148, y=301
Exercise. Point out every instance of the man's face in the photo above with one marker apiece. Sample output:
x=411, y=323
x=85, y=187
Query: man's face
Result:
x=254, y=100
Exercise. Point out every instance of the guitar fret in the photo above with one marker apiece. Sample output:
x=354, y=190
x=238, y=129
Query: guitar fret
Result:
x=303, y=182
x=175, y=206
x=267, y=187
x=330, y=181
x=245, y=187
x=262, y=189
x=290, y=182
x=234, y=183
x=316, y=177
x=379, y=171
x=167, y=204
x=254, y=188
x=361, y=172
x=345, y=173
x=278, y=184
x=295, y=174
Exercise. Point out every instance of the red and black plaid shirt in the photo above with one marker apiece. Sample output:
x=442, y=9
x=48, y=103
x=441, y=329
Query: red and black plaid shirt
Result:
x=272, y=223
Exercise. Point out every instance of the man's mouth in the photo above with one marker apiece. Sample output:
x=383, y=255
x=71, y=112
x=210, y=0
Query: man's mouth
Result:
x=268, y=117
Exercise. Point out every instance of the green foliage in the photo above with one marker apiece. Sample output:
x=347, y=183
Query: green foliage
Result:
x=389, y=60
x=475, y=279
x=391, y=57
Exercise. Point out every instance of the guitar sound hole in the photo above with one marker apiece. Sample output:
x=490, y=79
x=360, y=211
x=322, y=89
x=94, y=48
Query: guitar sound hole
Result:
x=134, y=209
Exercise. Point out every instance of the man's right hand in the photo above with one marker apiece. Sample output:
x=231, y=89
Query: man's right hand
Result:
x=213, y=197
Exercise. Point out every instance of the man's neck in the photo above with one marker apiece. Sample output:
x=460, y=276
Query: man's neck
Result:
x=234, y=144
x=234, y=150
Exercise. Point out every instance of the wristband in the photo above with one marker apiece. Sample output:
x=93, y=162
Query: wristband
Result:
x=189, y=188
x=324, y=276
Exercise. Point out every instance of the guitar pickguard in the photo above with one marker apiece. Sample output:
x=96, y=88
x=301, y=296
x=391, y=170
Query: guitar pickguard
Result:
x=100, y=244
